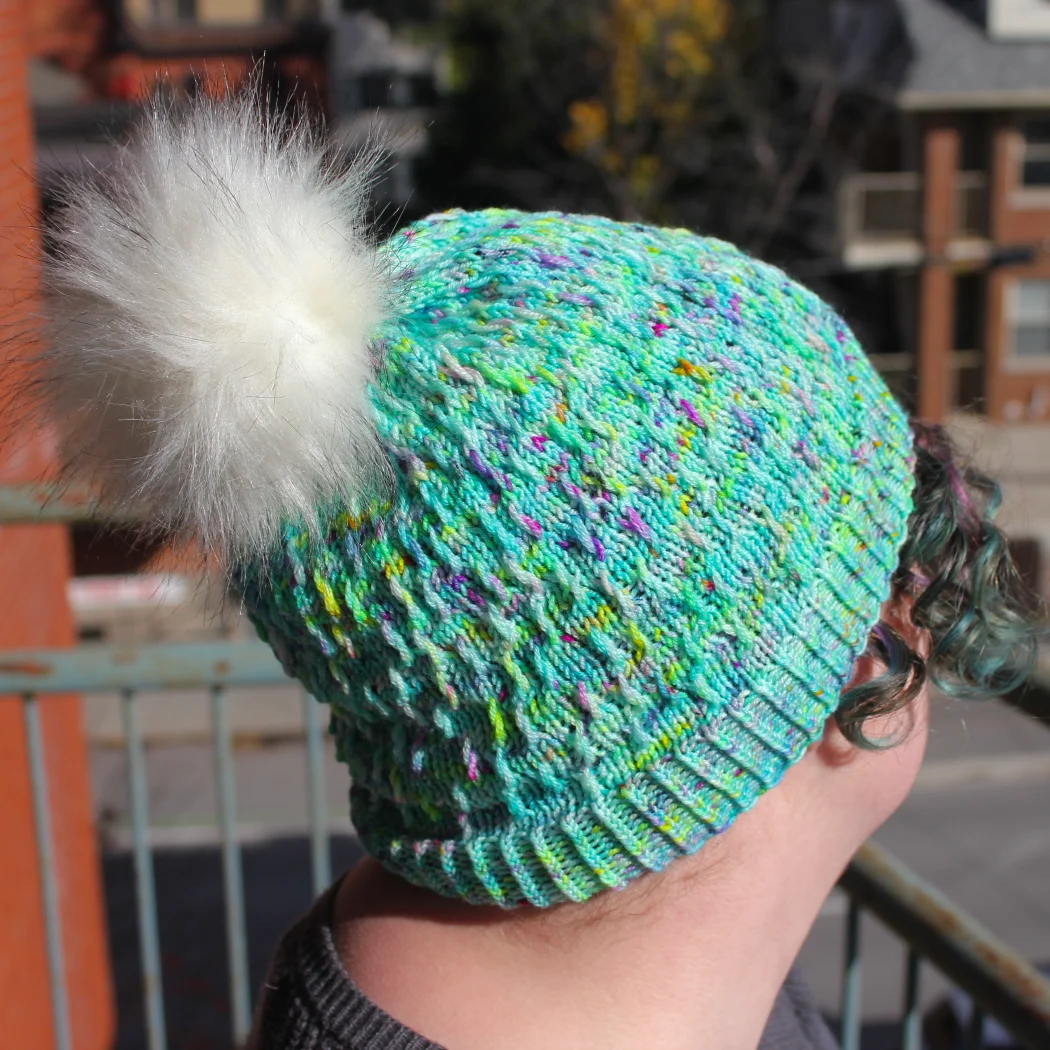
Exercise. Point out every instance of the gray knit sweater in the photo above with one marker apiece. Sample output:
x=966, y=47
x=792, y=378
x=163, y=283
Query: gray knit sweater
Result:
x=310, y=1003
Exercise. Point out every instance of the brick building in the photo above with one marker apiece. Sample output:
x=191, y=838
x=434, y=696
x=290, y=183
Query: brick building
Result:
x=950, y=221
x=92, y=63
x=119, y=49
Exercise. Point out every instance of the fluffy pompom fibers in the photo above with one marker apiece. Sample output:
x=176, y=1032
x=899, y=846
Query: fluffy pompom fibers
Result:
x=210, y=305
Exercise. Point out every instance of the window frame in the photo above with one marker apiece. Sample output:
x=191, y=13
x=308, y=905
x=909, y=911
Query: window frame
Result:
x=1038, y=152
x=1013, y=361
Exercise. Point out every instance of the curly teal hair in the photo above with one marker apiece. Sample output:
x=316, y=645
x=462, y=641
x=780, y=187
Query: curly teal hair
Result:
x=957, y=570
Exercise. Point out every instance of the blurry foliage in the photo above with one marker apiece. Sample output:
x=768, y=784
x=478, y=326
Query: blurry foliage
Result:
x=733, y=117
x=659, y=57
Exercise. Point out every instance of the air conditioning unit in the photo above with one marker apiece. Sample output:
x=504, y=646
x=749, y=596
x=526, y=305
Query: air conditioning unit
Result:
x=1018, y=19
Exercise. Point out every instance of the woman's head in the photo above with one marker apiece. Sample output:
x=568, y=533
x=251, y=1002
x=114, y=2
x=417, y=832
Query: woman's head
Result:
x=649, y=500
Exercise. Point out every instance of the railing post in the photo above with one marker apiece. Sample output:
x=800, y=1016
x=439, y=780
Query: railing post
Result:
x=1002, y=983
x=320, y=852
x=911, y=1021
x=145, y=895
x=233, y=877
x=851, y=981
x=48, y=873
x=974, y=1038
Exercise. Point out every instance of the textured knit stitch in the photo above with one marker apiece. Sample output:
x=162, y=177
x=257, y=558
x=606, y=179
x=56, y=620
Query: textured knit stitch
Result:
x=650, y=494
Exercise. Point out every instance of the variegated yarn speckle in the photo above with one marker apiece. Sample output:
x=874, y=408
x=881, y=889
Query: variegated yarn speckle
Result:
x=650, y=497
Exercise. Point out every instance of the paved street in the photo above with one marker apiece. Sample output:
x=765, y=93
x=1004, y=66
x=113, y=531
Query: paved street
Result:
x=976, y=826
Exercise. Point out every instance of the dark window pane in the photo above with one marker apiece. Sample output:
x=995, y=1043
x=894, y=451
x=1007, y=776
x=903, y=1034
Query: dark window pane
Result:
x=969, y=388
x=969, y=311
x=890, y=211
x=375, y=90
x=348, y=94
x=422, y=90
x=1037, y=129
x=973, y=147
x=1036, y=173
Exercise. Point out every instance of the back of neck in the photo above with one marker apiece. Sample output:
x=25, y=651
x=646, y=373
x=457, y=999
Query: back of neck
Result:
x=690, y=959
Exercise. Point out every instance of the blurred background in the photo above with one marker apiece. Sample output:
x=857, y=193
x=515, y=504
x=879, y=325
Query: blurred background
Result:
x=892, y=154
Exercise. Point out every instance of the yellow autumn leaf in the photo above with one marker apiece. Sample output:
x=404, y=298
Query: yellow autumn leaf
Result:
x=588, y=126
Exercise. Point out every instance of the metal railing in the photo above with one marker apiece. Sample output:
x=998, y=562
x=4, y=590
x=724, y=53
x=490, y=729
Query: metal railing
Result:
x=214, y=667
x=1002, y=985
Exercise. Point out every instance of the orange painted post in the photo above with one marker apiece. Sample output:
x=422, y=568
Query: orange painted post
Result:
x=34, y=568
x=937, y=281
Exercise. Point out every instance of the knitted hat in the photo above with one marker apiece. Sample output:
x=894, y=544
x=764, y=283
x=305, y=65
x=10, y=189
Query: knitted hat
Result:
x=647, y=498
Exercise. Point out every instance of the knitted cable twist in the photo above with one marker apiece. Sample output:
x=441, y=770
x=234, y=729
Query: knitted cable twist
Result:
x=649, y=497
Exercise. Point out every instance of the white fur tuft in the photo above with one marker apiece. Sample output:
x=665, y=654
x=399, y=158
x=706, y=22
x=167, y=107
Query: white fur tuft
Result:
x=212, y=304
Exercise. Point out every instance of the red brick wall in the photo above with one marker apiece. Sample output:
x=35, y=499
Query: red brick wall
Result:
x=68, y=32
x=132, y=76
x=34, y=567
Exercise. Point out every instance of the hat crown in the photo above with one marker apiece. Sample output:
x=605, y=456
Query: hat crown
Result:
x=650, y=493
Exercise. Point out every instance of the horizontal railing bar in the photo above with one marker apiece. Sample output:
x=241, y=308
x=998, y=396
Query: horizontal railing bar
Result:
x=47, y=504
x=1003, y=984
x=104, y=668
x=90, y=668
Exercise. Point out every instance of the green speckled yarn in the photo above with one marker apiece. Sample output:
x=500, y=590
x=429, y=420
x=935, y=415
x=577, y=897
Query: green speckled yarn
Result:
x=650, y=497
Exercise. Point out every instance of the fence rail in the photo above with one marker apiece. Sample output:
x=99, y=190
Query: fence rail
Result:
x=1002, y=985
x=44, y=504
x=129, y=671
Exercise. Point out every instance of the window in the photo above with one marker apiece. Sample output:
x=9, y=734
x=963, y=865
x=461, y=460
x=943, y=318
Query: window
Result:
x=969, y=311
x=1035, y=170
x=1031, y=319
x=376, y=90
x=422, y=89
x=974, y=142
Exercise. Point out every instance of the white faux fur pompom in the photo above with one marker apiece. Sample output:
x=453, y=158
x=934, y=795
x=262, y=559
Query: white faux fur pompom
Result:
x=212, y=300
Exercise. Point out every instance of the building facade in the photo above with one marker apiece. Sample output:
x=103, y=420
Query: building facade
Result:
x=953, y=226
x=92, y=63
